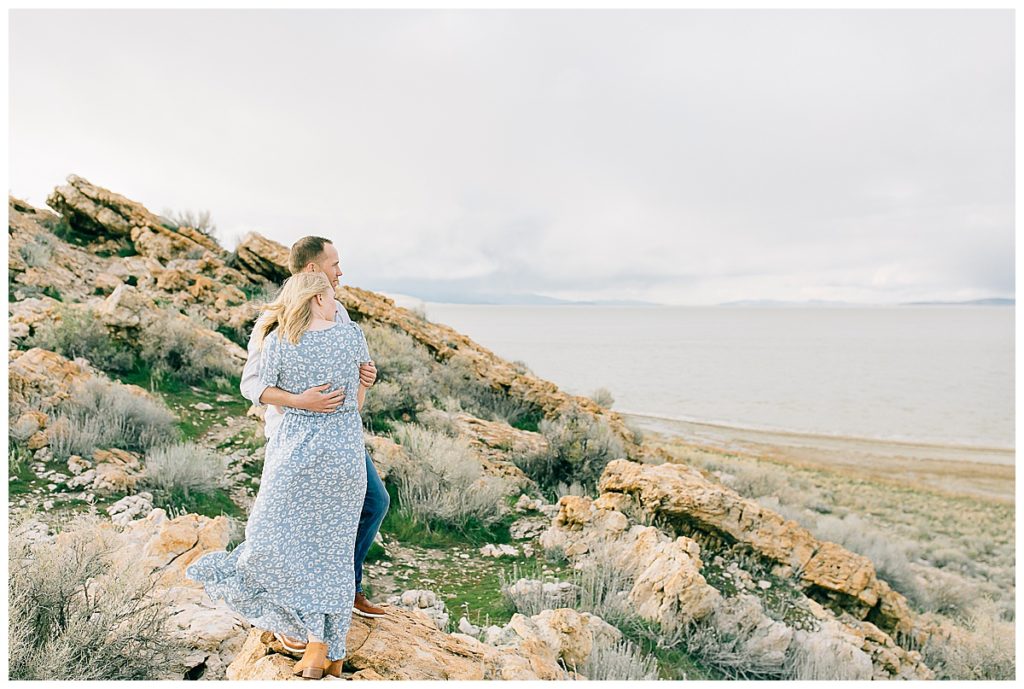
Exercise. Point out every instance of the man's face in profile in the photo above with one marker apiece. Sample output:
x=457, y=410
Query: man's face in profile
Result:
x=330, y=264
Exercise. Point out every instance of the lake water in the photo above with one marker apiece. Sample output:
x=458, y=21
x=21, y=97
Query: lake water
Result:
x=936, y=374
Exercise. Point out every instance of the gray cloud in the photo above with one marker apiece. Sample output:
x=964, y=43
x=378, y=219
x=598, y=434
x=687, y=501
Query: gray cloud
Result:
x=676, y=156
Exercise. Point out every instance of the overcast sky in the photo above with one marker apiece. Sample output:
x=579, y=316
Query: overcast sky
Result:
x=684, y=157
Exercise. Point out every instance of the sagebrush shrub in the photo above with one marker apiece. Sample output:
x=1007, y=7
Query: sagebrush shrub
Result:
x=77, y=333
x=580, y=445
x=985, y=648
x=173, y=347
x=77, y=613
x=410, y=380
x=102, y=414
x=187, y=467
x=443, y=482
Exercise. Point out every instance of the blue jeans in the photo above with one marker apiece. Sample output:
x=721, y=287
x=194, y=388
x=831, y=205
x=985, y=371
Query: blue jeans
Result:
x=375, y=506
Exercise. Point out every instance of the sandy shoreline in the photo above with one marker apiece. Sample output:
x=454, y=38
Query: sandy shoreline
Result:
x=979, y=472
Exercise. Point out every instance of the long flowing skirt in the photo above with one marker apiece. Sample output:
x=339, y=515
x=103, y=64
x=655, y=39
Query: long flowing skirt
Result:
x=294, y=572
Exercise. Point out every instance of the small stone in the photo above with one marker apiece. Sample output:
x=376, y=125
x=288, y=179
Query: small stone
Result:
x=47, y=504
x=76, y=465
x=467, y=627
x=202, y=406
x=764, y=584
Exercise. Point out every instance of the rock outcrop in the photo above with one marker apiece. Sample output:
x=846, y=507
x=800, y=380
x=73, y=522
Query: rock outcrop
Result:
x=406, y=644
x=90, y=209
x=261, y=259
x=40, y=380
x=663, y=579
x=829, y=573
x=185, y=269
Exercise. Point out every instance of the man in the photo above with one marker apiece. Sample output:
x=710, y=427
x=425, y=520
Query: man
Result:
x=312, y=254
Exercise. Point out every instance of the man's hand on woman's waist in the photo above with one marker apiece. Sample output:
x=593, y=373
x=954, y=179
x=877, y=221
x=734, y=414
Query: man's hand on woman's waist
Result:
x=367, y=374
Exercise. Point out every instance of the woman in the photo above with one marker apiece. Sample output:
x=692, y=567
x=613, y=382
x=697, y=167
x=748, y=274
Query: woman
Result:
x=293, y=574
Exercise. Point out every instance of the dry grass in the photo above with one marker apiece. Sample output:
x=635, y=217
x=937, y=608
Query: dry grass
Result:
x=78, y=614
x=984, y=650
x=186, y=467
x=579, y=447
x=442, y=481
x=175, y=348
x=103, y=414
x=619, y=661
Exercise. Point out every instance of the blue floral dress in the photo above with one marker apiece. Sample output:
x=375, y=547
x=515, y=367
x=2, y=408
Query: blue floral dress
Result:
x=294, y=572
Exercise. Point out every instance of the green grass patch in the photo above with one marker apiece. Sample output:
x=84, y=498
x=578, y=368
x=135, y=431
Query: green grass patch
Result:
x=180, y=398
x=529, y=421
x=478, y=596
x=376, y=553
x=433, y=534
x=234, y=335
x=211, y=504
x=673, y=663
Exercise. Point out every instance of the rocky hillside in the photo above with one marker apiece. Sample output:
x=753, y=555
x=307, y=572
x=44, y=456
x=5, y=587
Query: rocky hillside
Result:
x=126, y=342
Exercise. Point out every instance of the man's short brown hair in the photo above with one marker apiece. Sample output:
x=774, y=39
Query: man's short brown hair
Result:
x=305, y=251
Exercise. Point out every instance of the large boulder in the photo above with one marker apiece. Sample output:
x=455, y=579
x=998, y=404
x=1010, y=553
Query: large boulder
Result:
x=663, y=574
x=404, y=644
x=93, y=210
x=663, y=580
x=40, y=379
x=829, y=573
x=261, y=259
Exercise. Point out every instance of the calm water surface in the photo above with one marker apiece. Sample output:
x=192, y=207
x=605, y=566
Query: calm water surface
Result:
x=927, y=374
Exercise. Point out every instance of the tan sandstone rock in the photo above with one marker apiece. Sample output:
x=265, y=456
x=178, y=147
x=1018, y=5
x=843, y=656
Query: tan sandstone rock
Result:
x=95, y=210
x=402, y=645
x=39, y=379
x=828, y=571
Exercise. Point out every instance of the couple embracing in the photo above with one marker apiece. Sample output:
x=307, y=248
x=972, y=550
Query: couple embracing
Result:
x=299, y=571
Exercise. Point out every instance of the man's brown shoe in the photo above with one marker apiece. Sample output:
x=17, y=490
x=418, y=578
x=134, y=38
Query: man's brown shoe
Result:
x=363, y=607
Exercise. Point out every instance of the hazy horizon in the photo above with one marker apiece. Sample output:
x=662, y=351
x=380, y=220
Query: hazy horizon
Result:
x=680, y=157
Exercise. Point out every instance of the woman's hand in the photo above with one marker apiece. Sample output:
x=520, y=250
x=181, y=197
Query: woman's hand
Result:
x=315, y=399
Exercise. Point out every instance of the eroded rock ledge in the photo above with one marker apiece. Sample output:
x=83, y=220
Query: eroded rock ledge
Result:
x=668, y=585
x=830, y=574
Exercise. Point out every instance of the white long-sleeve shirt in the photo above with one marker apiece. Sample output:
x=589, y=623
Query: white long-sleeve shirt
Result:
x=251, y=387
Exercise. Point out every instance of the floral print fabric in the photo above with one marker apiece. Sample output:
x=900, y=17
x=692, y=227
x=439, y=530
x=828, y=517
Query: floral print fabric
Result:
x=294, y=573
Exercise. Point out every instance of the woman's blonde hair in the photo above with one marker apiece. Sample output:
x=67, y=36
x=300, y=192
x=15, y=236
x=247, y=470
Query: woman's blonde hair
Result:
x=292, y=310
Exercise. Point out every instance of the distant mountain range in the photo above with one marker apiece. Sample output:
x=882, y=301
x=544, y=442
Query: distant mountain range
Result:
x=529, y=299
x=777, y=302
x=994, y=301
x=523, y=299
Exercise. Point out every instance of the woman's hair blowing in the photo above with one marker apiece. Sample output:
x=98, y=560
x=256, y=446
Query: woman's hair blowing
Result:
x=291, y=310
